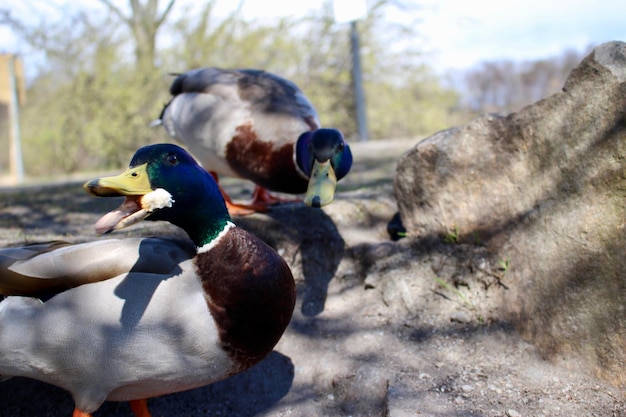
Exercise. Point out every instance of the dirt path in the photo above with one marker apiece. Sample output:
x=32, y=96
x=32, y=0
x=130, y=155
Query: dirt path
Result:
x=354, y=353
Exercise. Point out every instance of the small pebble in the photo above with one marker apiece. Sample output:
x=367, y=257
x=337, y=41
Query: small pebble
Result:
x=460, y=317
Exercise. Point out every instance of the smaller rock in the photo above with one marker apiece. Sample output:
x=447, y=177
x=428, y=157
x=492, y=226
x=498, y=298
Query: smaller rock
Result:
x=460, y=317
x=467, y=388
x=364, y=394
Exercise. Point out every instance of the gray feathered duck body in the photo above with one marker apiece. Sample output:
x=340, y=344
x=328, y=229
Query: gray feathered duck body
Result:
x=128, y=319
x=258, y=126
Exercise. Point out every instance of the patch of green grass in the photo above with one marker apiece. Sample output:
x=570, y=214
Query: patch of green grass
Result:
x=503, y=269
x=503, y=266
x=477, y=240
x=455, y=291
x=452, y=236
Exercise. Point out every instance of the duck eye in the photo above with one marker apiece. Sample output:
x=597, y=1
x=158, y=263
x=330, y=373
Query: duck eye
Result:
x=341, y=146
x=172, y=159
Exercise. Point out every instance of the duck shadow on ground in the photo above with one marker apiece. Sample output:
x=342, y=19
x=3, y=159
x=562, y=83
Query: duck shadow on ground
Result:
x=262, y=386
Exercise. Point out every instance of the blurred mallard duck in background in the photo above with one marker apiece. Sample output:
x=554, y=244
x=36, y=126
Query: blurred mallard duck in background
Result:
x=129, y=319
x=258, y=126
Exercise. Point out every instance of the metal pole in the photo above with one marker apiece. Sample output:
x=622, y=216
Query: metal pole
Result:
x=357, y=75
x=17, y=166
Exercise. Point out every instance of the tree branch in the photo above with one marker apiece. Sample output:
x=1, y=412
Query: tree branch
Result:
x=115, y=10
x=167, y=10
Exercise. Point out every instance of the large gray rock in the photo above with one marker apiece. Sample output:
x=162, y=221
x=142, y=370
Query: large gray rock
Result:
x=543, y=188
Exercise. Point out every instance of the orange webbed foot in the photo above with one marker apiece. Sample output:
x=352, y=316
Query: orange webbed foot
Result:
x=237, y=209
x=262, y=197
x=140, y=407
x=262, y=201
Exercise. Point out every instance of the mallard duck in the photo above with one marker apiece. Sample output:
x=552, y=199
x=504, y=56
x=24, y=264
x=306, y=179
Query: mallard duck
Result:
x=258, y=126
x=128, y=319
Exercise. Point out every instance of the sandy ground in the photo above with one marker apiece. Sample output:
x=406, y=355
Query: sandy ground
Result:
x=352, y=353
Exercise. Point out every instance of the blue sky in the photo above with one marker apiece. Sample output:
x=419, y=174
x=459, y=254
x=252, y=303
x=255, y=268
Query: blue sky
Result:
x=466, y=32
x=454, y=33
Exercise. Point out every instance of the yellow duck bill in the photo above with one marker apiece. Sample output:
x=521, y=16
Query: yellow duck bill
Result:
x=141, y=200
x=322, y=184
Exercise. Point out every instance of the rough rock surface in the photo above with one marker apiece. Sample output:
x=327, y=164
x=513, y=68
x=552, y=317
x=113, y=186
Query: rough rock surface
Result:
x=543, y=192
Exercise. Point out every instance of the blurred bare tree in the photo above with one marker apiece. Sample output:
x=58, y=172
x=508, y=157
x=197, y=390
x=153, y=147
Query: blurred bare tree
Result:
x=510, y=85
x=144, y=21
x=90, y=105
x=92, y=101
x=104, y=76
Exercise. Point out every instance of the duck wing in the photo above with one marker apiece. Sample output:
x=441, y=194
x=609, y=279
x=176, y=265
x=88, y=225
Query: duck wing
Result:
x=50, y=267
x=266, y=93
x=219, y=101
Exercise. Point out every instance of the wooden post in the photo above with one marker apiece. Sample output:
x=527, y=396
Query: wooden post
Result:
x=351, y=11
x=357, y=83
x=15, y=146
